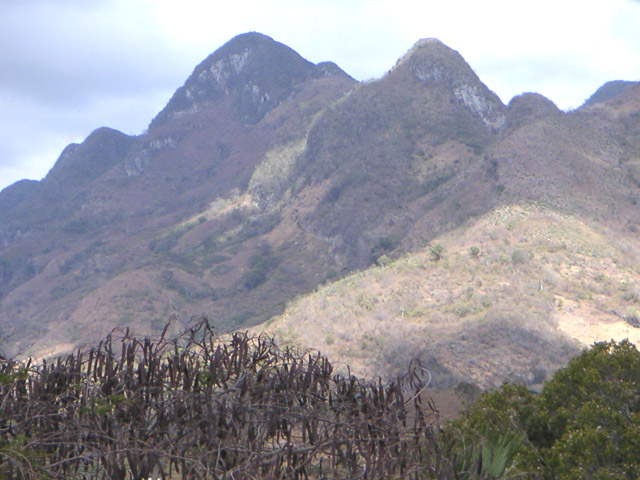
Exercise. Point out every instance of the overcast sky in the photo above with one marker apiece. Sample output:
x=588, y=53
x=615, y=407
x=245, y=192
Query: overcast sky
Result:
x=70, y=66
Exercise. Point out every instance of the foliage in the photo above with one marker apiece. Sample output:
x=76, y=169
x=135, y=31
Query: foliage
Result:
x=584, y=424
x=592, y=415
x=199, y=407
x=494, y=458
x=436, y=252
x=383, y=261
x=271, y=177
x=519, y=257
x=259, y=225
x=383, y=246
x=260, y=265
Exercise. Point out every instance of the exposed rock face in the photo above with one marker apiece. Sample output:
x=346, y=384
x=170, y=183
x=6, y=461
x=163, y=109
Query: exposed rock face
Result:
x=432, y=62
x=254, y=70
x=138, y=161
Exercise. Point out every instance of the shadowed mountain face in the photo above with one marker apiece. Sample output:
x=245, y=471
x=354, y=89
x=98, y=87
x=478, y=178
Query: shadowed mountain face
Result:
x=266, y=175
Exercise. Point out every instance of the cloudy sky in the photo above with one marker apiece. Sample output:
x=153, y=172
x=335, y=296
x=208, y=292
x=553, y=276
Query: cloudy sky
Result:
x=70, y=66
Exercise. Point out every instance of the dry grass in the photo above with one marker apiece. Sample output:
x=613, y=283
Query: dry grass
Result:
x=541, y=285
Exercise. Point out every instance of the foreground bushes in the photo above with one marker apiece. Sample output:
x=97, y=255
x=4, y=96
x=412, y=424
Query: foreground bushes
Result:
x=199, y=407
x=584, y=425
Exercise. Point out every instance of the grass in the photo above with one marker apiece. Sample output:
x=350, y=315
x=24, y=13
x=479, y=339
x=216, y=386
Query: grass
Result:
x=271, y=176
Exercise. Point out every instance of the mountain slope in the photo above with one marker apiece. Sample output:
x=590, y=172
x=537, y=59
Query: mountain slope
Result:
x=509, y=295
x=266, y=176
x=394, y=141
x=122, y=225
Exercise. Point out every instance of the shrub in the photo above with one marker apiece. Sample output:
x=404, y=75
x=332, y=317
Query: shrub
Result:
x=383, y=261
x=200, y=406
x=436, y=252
x=584, y=424
x=519, y=257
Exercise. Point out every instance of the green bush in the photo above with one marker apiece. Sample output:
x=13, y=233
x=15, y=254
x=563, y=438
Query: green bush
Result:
x=436, y=252
x=519, y=257
x=584, y=425
x=383, y=261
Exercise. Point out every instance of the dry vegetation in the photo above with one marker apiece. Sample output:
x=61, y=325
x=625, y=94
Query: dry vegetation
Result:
x=198, y=407
x=511, y=295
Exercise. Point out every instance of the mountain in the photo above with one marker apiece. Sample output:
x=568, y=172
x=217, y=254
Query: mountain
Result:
x=510, y=295
x=607, y=91
x=267, y=177
x=82, y=252
x=253, y=71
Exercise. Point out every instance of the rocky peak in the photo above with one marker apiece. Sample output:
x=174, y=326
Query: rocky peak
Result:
x=431, y=61
x=253, y=69
x=433, y=64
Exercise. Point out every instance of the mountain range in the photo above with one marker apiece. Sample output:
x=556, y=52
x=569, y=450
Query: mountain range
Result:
x=412, y=215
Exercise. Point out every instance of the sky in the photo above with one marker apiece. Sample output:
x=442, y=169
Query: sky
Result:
x=68, y=67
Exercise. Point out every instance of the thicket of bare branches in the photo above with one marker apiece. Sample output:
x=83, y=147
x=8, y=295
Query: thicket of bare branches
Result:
x=199, y=407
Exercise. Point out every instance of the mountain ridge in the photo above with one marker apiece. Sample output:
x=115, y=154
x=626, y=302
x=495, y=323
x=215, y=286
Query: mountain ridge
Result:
x=232, y=203
x=255, y=70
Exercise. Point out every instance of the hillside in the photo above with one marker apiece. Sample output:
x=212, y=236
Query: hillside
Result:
x=511, y=295
x=266, y=176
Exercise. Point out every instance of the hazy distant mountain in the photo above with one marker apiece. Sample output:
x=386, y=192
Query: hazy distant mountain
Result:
x=266, y=176
x=608, y=91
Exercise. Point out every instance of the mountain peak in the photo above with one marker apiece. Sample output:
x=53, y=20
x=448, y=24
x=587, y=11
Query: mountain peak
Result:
x=608, y=91
x=433, y=64
x=253, y=69
x=530, y=107
x=430, y=60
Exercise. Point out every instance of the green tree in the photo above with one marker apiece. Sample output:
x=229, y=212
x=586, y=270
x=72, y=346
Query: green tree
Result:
x=584, y=425
x=589, y=415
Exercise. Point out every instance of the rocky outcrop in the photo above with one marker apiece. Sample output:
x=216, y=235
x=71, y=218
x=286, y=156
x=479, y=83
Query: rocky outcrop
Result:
x=254, y=70
x=138, y=161
x=433, y=63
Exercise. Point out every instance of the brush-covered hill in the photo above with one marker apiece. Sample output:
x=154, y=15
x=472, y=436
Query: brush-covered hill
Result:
x=266, y=176
x=512, y=294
